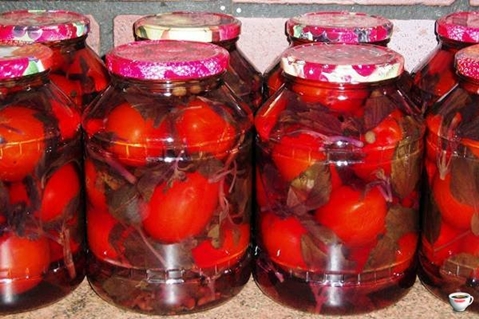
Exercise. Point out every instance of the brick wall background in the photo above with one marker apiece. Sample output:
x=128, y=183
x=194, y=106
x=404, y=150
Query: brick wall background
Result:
x=262, y=37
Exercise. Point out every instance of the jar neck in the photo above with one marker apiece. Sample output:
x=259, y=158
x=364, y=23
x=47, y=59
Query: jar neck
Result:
x=167, y=88
x=22, y=84
x=229, y=45
x=453, y=45
x=469, y=84
x=296, y=41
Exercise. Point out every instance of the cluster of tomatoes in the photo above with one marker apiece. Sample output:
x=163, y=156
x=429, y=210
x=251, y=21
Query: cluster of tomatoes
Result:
x=40, y=187
x=168, y=177
x=337, y=180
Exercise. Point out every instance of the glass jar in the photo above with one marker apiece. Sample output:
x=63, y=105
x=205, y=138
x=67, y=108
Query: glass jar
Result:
x=76, y=68
x=328, y=27
x=337, y=174
x=449, y=254
x=42, y=251
x=220, y=29
x=434, y=76
x=168, y=179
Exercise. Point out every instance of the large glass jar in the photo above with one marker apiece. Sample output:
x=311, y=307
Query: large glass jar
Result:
x=328, y=27
x=337, y=175
x=76, y=68
x=42, y=251
x=217, y=28
x=434, y=76
x=168, y=176
x=449, y=255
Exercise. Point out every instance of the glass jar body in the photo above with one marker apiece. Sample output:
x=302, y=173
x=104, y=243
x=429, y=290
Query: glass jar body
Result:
x=168, y=177
x=337, y=176
x=435, y=76
x=450, y=242
x=42, y=220
x=78, y=70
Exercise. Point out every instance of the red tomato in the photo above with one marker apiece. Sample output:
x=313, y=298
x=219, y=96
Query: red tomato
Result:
x=181, y=208
x=407, y=246
x=343, y=101
x=203, y=130
x=136, y=139
x=470, y=244
x=22, y=142
x=453, y=212
x=228, y=248
x=95, y=189
x=473, y=145
x=282, y=240
x=18, y=193
x=267, y=117
x=446, y=245
x=357, y=217
x=61, y=188
x=23, y=262
x=99, y=226
x=274, y=81
x=72, y=88
x=379, y=146
x=294, y=154
x=68, y=120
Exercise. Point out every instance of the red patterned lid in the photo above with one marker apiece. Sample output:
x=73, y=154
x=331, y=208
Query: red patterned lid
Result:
x=342, y=63
x=467, y=61
x=167, y=60
x=339, y=27
x=185, y=25
x=42, y=25
x=19, y=61
x=459, y=26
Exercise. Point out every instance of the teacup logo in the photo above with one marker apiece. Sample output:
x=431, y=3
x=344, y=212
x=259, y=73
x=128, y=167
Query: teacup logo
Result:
x=460, y=300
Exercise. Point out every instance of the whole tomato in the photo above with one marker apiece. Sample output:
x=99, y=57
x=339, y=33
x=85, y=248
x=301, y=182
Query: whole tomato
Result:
x=60, y=189
x=181, y=208
x=100, y=223
x=356, y=216
x=204, y=130
x=282, y=239
x=379, y=147
x=295, y=153
x=22, y=144
x=225, y=250
x=23, y=262
x=136, y=138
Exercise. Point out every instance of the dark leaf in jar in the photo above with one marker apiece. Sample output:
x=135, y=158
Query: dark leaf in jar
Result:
x=465, y=181
x=475, y=224
x=311, y=189
x=377, y=107
x=321, y=121
x=406, y=167
x=400, y=221
x=312, y=255
x=383, y=254
x=211, y=167
x=123, y=204
x=149, y=180
x=121, y=288
x=431, y=220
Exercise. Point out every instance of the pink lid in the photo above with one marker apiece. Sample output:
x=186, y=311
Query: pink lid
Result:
x=467, y=61
x=459, y=26
x=185, y=25
x=342, y=63
x=42, y=25
x=167, y=60
x=19, y=61
x=339, y=27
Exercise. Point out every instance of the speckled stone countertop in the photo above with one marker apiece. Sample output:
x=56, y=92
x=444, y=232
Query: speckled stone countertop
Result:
x=250, y=304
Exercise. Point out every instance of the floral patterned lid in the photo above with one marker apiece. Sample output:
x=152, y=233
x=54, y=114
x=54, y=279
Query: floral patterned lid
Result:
x=167, y=60
x=339, y=27
x=467, y=61
x=342, y=63
x=19, y=61
x=185, y=25
x=460, y=26
x=42, y=25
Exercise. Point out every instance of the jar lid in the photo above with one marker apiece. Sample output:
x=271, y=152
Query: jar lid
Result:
x=467, y=61
x=19, y=61
x=460, y=26
x=339, y=27
x=167, y=60
x=185, y=25
x=342, y=63
x=42, y=25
